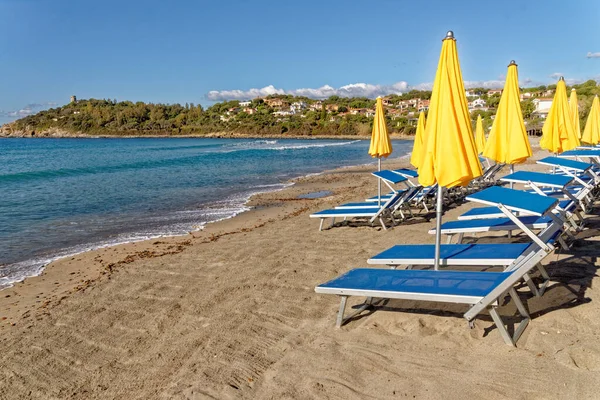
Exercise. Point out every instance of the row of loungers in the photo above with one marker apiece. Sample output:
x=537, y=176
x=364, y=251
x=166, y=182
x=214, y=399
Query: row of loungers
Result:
x=397, y=204
x=547, y=213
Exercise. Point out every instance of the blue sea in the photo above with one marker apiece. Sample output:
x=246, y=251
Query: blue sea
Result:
x=60, y=197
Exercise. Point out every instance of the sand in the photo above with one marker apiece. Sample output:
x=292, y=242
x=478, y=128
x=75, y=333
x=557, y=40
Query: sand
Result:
x=230, y=312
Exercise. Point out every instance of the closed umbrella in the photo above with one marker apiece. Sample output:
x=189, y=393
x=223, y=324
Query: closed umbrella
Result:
x=417, y=151
x=591, y=133
x=381, y=145
x=574, y=108
x=508, y=142
x=479, y=135
x=558, y=134
x=450, y=158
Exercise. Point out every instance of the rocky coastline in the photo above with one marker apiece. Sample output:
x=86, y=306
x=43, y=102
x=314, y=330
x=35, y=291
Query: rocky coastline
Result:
x=10, y=131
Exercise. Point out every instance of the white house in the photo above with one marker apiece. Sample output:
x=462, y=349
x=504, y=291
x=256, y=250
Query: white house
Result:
x=298, y=107
x=245, y=103
x=542, y=106
x=477, y=103
x=282, y=113
x=316, y=106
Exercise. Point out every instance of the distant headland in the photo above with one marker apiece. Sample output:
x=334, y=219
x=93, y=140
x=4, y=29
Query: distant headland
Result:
x=275, y=116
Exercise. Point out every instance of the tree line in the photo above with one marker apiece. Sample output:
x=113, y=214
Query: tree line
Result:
x=110, y=117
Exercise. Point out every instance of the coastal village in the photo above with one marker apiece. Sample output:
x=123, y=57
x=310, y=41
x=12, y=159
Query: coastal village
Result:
x=399, y=109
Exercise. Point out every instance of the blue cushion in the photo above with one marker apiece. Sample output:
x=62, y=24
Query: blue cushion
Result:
x=563, y=162
x=454, y=251
x=538, y=178
x=458, y=283
x=389, y=176
x=515, y=199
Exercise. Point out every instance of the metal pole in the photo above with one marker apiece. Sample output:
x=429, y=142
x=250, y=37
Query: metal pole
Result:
x=379, y=183
x=512, y=171
x=438, y=226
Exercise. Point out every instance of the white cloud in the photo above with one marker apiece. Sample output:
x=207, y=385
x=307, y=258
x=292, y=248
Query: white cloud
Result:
x=593, y=55
x=216, y=95
x=493, y=84
x=370, y=90
x=29, y=109
x=323, y=92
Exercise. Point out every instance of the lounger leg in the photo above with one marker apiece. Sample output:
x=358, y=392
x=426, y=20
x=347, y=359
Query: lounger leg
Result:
x=501, y=328
x=546, y=277
x=500, y=324
x=580, y=218
x=382, y=223
x=321, y=225
x=531, y=285
x=563, y=244
x=340, y=316
x=332, y=222
x=460, y=238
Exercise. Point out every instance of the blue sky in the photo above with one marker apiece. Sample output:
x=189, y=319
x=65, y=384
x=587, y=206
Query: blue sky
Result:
x=200, y=51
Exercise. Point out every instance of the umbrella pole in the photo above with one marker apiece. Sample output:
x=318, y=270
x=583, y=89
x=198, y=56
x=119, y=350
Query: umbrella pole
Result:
x=512, y=171
x=438, y=226
x=379, y=183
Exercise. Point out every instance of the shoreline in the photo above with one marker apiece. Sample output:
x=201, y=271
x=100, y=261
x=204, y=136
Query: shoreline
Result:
x=41, y=262
x=57, y=134
x=57, y=259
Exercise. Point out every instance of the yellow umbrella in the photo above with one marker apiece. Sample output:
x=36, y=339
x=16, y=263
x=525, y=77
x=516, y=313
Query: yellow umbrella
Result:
x=558, y=134
x=507, y=142
x=479, y=135
x=417, y=151
x=449, y=158
x=381, y=146
x=574, y=108
x=591, y=133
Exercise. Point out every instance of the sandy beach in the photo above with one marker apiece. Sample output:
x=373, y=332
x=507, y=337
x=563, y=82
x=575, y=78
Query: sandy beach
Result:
x=230, y=312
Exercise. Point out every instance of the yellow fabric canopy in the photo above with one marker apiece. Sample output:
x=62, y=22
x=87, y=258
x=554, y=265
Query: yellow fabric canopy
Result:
x=381, y=145
x=591, y=133
x=574, y=108
x=479, y=135
x=508, y=142
x=558, y=134
x=417, y=153
x=449, y=158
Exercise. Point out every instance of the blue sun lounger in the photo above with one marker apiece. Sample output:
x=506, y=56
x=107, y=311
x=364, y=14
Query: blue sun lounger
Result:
x=590, y=154
x=542, y=184
x=480, y=290
x=583, y=173
x=539, y=210
x=387, y=210
x=372, y=213
x=481, y=255
x=399, y=207
x=390, y=179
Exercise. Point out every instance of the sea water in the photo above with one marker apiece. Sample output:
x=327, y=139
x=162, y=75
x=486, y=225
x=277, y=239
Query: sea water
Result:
x=59, y=197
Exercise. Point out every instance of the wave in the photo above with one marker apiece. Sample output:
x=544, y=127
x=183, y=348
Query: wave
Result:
x=167, y=162
x=292, y=146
